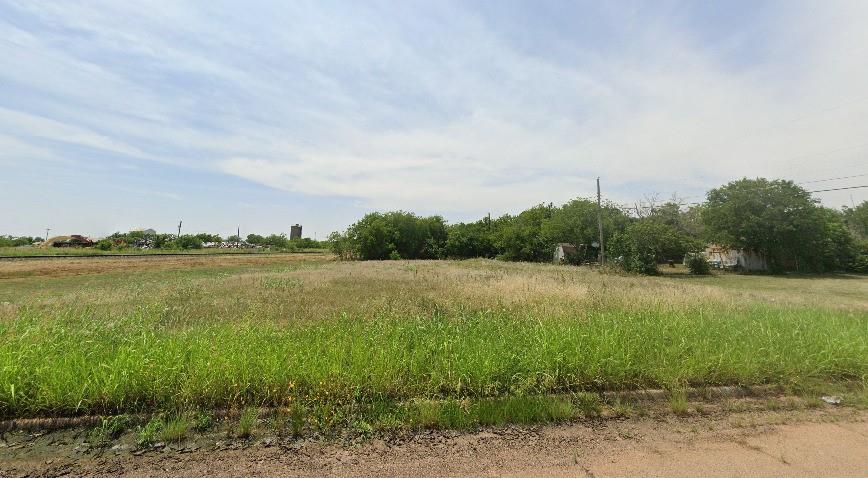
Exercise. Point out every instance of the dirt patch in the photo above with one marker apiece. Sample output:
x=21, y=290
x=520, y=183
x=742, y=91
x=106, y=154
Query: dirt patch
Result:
x=824, y=442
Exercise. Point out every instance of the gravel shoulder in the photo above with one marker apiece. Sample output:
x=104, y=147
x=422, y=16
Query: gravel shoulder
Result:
x=820, y=442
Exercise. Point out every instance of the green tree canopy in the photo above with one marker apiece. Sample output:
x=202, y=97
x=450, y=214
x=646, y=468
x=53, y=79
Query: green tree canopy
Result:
x=397, y=234
x=778, y=219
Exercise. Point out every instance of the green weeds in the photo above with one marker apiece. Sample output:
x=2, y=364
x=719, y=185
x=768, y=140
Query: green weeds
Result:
x=247, y=422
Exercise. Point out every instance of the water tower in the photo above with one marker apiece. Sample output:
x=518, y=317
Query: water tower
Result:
x=295, y=232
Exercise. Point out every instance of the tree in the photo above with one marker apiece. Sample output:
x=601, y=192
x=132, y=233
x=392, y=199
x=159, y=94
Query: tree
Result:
x=576, y=223
x=644, y=244
x=466, y=240
x=187, y=242
x=341, y=246
x=521, y=237
x=856, y=219
x=777, y=219
x=380, y=236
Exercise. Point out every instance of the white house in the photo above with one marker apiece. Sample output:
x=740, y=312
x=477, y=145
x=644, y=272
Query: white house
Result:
x=561, y=251
x=726, y=258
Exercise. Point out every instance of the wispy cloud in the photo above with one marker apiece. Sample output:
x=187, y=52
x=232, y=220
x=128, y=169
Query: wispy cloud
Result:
x=442, y=107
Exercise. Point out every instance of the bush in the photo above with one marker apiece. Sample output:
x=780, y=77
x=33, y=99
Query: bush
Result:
x=187, y=242
x=641, y=263
x=698, y=264
x=104, y=245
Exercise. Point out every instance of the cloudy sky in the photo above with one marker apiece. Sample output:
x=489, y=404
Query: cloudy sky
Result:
x=123, y=114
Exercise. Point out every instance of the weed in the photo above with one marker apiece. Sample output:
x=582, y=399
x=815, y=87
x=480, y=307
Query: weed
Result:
x=150, y=433
x=247, y=422
x=201, y=421
x=587, y=404
x=363, y=428
x=114, y=426
x=678, y=402
x=175, y=430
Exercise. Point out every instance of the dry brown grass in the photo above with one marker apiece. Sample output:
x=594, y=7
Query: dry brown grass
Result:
x=310, y=286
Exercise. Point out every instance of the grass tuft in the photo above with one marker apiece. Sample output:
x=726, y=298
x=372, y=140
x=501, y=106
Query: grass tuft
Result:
x=247, y=422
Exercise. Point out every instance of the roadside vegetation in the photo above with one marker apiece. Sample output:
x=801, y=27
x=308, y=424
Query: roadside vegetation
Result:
x=399, y=342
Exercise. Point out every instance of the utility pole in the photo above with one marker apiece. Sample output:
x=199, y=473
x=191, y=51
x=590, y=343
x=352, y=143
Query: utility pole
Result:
x=600, y=224
x=488, y=221
x=179, y=227
x=238, y=233
x=46, y=234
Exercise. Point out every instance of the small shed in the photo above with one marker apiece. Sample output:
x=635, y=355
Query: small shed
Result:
x=562, y=250
x=723, y=257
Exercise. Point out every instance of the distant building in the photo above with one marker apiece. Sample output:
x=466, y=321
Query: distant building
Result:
x=295, y=232
x=739, y=259
x=562, y=250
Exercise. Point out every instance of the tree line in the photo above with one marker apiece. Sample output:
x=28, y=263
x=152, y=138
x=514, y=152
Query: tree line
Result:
x=775, y=218
x=139, y=239
x=124, y=240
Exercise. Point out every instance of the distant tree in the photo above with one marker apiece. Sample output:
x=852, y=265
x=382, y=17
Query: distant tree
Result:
x=306, y=243
x=776, y=218
x=521, y=237
x=576, y=223
x=105, y=244
x=186, y=242
x=235, y=238
x=278, y=241
x=646, y=243
x=377, y=235
x=341, y=246
x=474, y=239
x=162, y=241
x=17, y=241
x=856, y=219
x=837, y=248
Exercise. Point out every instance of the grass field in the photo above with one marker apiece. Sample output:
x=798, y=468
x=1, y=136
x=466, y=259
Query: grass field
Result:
x=397, y=342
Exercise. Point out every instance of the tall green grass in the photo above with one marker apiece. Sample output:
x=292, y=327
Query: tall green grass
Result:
x=64, y=362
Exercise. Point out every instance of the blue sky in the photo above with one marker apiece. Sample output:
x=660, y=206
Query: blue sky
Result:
x=118, y=115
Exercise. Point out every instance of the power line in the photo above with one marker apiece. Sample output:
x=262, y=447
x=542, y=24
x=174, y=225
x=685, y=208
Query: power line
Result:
x=833, y=179
x=628, y=206
x=838, y=189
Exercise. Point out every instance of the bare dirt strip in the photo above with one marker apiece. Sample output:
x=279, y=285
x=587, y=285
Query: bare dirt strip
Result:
x=822, y=442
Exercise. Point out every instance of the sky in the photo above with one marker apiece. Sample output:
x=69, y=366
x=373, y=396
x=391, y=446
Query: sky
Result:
x=261, y=114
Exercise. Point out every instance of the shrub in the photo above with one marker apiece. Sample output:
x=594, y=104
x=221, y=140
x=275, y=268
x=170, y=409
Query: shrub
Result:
x=698, y=264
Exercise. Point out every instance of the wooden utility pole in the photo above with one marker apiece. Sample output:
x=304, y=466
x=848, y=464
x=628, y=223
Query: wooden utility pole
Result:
x=600, y=224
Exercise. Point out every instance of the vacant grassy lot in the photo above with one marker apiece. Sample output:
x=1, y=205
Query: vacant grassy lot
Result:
x=93, y=251
x=120, y=335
